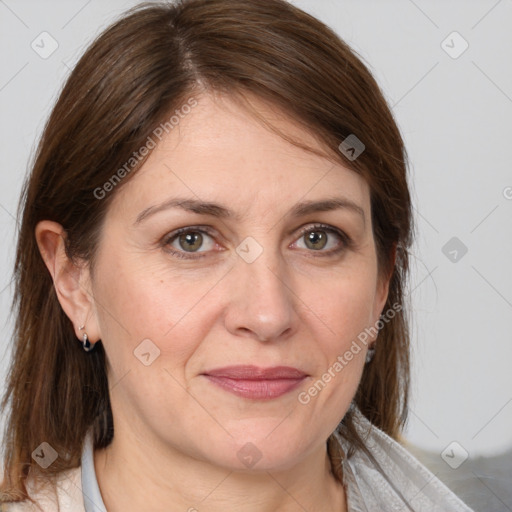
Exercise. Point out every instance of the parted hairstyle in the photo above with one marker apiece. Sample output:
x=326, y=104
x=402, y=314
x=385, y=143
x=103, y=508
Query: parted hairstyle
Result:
x=129, y=81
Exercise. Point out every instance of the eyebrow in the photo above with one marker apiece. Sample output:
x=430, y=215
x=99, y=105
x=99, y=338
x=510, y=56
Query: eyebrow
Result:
x=217, y=210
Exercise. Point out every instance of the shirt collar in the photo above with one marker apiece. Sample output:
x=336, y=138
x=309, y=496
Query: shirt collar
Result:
x=93, y=502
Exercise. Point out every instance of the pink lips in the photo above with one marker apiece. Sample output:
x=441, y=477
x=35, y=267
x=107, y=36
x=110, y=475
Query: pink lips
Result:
x=256, y=383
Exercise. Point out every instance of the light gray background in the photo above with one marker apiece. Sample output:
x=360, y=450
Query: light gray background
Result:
x=456, y=117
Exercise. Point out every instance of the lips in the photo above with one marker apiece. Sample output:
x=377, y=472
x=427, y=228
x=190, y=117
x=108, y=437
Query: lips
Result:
x=256, y=383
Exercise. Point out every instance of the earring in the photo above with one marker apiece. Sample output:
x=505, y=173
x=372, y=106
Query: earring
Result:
x=87, y=346
x=370, y=354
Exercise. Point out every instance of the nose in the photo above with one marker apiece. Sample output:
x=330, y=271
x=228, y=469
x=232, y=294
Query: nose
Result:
x=262, y=303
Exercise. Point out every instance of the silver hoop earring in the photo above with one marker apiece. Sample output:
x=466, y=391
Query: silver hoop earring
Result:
x=370, y=354
x=86, y=344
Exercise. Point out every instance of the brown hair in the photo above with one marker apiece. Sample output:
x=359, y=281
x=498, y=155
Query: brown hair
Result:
x=127, y=83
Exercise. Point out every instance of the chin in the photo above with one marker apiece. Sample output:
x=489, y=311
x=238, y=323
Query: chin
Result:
x=262, y=452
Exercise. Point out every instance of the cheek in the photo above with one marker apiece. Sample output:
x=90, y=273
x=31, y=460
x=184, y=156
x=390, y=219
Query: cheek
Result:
x=136, y=303
x=146, y=310
x=346, y=307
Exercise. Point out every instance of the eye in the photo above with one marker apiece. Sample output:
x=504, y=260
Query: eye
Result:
x=316, y=238
x=186, y=241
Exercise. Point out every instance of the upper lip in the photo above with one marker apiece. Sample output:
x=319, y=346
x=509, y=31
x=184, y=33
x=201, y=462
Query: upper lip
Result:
x=250, y=372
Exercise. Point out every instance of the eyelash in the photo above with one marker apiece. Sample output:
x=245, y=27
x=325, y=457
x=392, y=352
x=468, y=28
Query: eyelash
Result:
x=346, y=241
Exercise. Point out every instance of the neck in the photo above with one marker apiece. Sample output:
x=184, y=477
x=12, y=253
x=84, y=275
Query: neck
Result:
x=134, y=477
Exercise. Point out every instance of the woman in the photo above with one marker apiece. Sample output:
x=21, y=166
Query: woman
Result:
x=219, y=212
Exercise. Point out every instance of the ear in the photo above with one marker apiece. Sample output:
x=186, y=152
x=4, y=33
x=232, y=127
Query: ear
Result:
x=382, y=291
x=70, y=279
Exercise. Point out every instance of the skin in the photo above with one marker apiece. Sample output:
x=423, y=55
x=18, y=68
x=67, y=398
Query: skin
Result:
x=177, y=435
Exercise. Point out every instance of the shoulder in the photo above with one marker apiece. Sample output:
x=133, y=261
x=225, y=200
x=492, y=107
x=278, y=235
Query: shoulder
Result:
x=63, y=493
x=392, y=475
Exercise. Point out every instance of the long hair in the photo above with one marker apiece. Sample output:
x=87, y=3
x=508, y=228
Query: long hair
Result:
x=128, y=82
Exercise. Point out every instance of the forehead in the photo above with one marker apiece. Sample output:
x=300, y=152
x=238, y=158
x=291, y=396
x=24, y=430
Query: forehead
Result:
x=220, y=152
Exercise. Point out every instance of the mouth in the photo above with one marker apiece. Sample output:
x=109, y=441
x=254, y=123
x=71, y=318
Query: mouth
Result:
x=256, y=383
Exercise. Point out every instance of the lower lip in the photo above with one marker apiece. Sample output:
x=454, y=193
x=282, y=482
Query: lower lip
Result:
x=256, y=389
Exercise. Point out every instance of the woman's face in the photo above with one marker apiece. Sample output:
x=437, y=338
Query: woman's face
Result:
x=251, y=281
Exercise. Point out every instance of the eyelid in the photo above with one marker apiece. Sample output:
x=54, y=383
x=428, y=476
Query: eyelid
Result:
x=346, y=241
